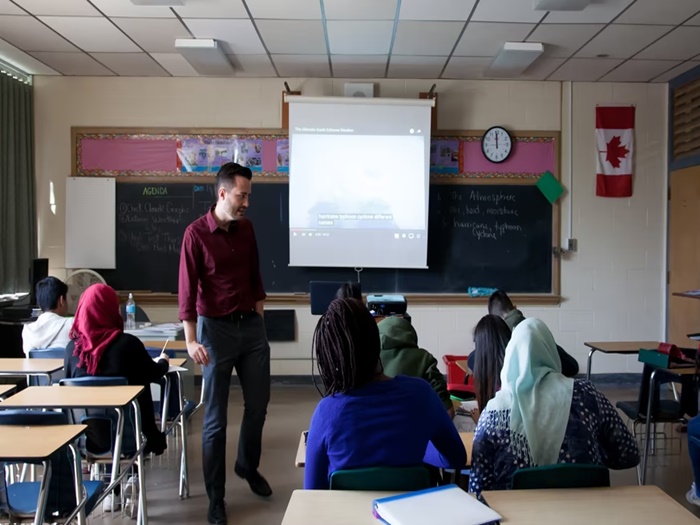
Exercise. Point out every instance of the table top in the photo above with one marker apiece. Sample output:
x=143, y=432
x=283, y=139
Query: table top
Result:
x=688, y=295
x=463, y=364
x=622, y=347
x=169, y=345
x=332, y=507
x=6, y=389
x=620, y=505
x=178, y=361
x=467, y=439
x=19, y=443
x=22, y=365
x=73, y=397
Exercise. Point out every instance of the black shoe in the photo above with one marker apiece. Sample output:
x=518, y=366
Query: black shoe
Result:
x=258, y=484
x=217, y=513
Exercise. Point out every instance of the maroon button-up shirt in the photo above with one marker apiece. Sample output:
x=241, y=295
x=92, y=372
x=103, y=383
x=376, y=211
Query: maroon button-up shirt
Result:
x=219, y=269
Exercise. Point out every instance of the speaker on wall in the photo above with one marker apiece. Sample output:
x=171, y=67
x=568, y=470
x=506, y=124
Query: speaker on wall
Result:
x=38, y=271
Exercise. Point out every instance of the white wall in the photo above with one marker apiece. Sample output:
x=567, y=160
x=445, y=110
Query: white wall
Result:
x=612, y=288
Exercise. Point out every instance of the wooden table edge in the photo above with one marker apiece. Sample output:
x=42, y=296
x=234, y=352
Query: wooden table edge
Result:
x=79, y=429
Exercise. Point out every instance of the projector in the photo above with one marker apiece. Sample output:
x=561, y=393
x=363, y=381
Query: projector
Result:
x=383, y=305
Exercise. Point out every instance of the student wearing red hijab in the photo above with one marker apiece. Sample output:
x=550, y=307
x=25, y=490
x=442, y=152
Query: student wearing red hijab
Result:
x=99, y=347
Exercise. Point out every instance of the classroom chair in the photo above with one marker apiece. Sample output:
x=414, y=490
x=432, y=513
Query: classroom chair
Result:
x=561, y=476
x=18, y=500
x=381, y=478
x=47, y=353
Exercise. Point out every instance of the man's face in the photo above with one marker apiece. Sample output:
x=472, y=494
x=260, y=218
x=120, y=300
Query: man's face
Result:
x=62, y=306
x=235, y=199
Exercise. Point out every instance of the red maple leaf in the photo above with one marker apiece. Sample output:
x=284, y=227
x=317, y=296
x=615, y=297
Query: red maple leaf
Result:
x=616, y=152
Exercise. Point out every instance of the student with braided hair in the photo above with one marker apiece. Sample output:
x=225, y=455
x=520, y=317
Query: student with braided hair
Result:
x=368, y=419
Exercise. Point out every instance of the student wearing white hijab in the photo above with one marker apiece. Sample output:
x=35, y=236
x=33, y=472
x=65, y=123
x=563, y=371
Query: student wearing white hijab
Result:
x=539, y=417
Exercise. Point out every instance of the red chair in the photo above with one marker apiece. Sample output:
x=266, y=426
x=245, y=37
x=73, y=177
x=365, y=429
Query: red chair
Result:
x=456, y=384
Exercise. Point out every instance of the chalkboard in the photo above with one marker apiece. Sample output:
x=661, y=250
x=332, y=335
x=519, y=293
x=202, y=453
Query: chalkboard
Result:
x=487, y=235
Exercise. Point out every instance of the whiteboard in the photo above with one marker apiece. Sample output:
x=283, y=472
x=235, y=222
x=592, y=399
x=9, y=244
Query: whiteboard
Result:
x=91, y=222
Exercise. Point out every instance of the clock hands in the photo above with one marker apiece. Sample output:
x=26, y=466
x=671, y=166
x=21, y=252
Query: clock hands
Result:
x=496, y=139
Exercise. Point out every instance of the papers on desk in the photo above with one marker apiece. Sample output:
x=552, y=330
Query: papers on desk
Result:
x=163, y=330
x=171, y=368
x=447, y=505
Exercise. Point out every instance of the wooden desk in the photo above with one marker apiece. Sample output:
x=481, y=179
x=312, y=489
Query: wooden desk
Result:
x=178, y=361
x=6, y=389
x=616, y=347
x=620, y=505
x=21, y=366
x=167, y=344
x=31, y=444
x=467, y=439
x=116, y=397
x=332, y=507
x=463, y=364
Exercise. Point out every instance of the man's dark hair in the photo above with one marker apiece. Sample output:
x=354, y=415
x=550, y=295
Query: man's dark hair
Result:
x=228, y=173
x=49, y=291
x=346, y=343
x=349, y=291
x=499, y=303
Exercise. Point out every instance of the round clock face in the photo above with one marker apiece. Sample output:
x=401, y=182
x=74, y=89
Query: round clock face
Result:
x=496, y=144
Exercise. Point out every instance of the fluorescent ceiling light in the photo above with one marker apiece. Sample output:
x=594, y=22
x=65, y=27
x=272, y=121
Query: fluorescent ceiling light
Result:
x=14, y=72
x=514, y=58
x=205, y=56
x=162, y=3
x=559, y=5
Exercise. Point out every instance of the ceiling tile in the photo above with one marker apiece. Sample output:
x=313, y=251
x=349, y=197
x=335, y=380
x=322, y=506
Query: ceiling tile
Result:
x=359, y=66
x=127, y=9
x=252, y=66
x=670, y=12
x=415, y=66
x=466, y=67
x=73, y=64
x=131, y=64
x=18, y=58
x=426, y=38
x=541, y=68
x=598, y=12
x=302, y=65
x=155, y=35
x=639, y=70
x=448, y=10
x=59, y=7
x=8, y=8
x=695, y=21
x=622, y=41
x=355, y=37
x=585, y=69
x=239, y=36
x=175, y=64
x=303, y=37
x=285, y=9
x=680, y=44
x=212, y=9
x=484, y=39
x=360, y=10
x=27, y=33
x=678, y=70
x=91, y=34
x=563, y=40
x=506, y=11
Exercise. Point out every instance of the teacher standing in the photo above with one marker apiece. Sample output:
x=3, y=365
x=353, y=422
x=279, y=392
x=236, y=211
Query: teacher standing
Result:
x=221, y=306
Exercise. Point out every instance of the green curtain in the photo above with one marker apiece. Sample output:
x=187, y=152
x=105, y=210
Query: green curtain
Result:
x=18, y=237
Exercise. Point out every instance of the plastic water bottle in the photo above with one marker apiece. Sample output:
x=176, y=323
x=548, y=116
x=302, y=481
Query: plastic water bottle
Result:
x=131, y=313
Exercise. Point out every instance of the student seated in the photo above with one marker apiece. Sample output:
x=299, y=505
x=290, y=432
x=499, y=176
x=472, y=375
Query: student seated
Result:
x=400, y=355
x=693, y=495
x=349, y=291
x=99, y=347
x=368, y=419
x=52, y=327
x=491, y=336
x=501, y=305
x=539, y=417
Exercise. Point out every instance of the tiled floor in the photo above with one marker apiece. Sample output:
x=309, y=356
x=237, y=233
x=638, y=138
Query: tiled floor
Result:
x=288, y=414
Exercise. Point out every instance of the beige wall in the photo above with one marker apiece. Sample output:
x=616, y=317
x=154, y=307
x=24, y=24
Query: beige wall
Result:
x=612, y=287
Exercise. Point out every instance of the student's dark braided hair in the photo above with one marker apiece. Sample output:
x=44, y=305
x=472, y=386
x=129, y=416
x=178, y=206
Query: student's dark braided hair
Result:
x=346, y=342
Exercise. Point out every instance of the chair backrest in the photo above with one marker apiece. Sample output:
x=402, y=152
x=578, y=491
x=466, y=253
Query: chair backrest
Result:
x=381, y=478
x=47, y=353
x=102, y=423
x=689, y=391
x=61, y=497
x=561, y=476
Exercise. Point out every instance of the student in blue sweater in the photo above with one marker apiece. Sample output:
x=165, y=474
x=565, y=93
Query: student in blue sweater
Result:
x=368, y=419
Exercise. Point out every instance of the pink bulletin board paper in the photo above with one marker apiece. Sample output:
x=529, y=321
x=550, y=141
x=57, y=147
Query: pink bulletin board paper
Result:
x=528, y=159
x=128, y=155
x=269, y=155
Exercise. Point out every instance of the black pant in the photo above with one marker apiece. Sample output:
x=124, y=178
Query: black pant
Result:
x=237, y=341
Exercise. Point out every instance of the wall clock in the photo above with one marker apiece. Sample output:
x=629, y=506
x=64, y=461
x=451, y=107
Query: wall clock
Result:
x=496, y=144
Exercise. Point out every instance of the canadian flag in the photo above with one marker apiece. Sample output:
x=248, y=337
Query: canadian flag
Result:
x=614, y=132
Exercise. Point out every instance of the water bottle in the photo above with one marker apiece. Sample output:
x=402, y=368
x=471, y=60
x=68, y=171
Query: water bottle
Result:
x=131, y=313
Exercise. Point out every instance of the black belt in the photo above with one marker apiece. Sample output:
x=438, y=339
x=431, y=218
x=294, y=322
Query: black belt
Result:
x=238, y=315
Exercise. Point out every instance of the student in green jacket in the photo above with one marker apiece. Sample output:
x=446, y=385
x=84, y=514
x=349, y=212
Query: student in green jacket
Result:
x=401, y=355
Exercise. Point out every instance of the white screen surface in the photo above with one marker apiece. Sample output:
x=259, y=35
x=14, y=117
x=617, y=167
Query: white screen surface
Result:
x=358, y=183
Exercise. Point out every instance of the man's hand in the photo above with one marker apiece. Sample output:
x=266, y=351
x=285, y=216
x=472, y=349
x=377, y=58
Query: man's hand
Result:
x=198, y=353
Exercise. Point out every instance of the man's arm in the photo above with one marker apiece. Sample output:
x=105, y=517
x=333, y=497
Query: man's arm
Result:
x=196, y=351
x=260, y=308
x=187, y=297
